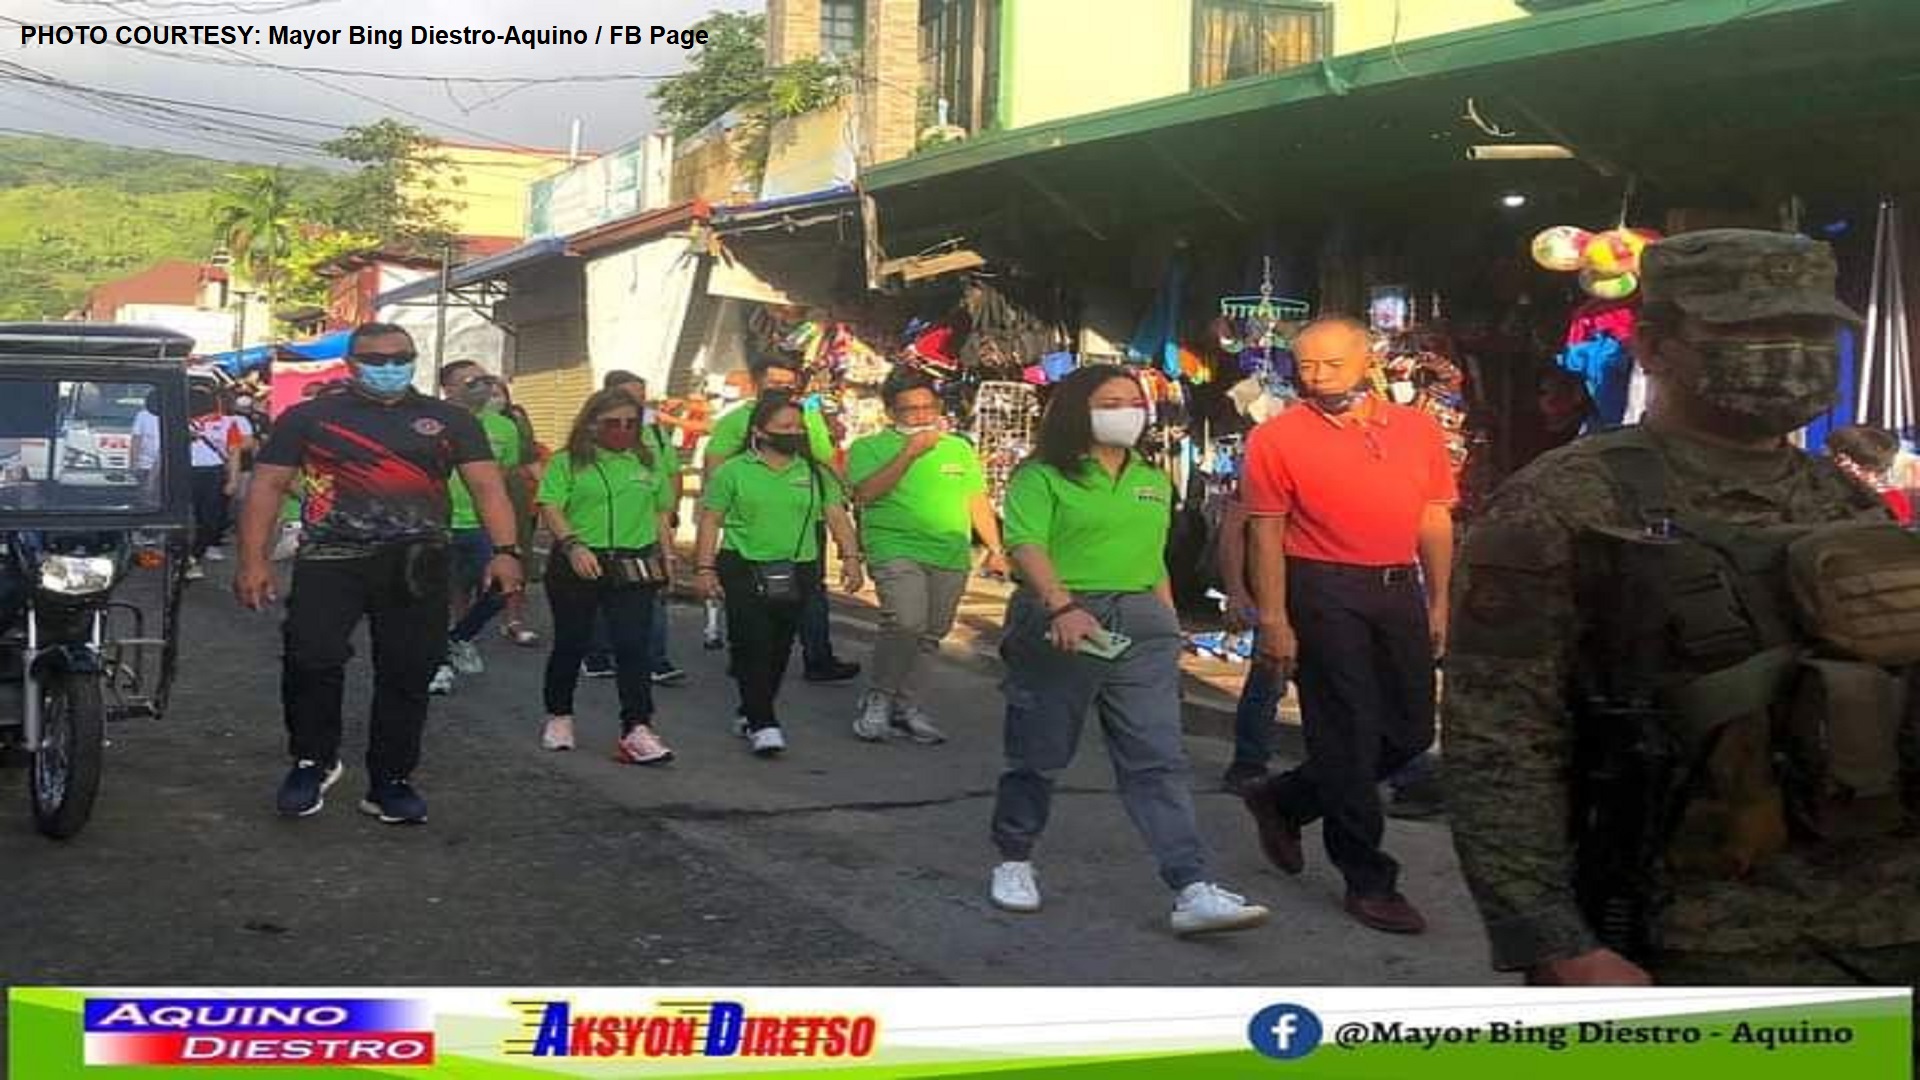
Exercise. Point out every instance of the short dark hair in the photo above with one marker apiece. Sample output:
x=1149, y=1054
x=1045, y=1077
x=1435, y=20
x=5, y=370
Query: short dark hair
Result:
x=374, y=329
x=1873, y=449
x=448, y=371
x=904, y=380
x=619, y=378
x=764, y=364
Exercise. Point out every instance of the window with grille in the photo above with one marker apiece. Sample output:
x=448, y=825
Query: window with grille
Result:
x=840, y=27
x=1237, y=39
x=960, y=60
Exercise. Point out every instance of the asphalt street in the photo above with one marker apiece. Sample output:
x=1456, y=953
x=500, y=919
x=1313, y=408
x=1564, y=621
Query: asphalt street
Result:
x=843, y=862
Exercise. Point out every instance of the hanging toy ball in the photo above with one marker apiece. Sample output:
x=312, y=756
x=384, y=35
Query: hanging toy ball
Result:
x=1614, y=253
x=1609, y=286
x=1560, y=247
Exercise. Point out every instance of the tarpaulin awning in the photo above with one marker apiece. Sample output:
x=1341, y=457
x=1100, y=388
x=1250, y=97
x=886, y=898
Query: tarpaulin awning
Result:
x=240, y=361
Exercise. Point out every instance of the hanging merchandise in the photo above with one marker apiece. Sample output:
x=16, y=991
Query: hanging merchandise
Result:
x=1006, y=418
x=1156, y=341
x=1602, y=286
x=1010, y=324
x=1561, y=247
x=1606, y=365
x=1265, y=321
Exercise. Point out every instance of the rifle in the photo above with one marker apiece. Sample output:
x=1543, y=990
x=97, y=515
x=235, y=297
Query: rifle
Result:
x=1629, y=772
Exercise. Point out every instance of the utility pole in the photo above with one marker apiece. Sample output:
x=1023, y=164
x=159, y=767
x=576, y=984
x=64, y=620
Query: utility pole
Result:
x=440, y=312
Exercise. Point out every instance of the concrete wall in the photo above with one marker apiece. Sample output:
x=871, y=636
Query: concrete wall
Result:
x=889, y=102
x=491, y=200
x=1359, y=25
x=1063, y=58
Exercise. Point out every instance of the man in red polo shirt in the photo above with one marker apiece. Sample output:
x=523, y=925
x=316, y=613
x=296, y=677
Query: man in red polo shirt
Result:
x=1347, y=494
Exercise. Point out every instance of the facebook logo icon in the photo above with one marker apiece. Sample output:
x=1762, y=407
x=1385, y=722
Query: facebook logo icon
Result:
x=1285, y=1032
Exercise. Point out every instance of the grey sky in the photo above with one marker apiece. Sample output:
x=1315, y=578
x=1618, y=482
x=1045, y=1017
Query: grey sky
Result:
x=538, y=116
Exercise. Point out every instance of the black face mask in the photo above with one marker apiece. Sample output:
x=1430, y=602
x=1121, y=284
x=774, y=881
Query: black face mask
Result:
x=790, y=443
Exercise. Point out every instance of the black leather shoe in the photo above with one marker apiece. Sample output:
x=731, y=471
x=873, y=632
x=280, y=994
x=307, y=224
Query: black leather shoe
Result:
x=1279, y=835
x=837, y=671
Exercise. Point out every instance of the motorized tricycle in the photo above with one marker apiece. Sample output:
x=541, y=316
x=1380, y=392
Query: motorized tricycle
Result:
x=94, y=508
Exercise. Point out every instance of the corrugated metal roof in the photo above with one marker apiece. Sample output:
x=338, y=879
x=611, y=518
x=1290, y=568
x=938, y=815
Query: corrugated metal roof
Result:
x=533, y=251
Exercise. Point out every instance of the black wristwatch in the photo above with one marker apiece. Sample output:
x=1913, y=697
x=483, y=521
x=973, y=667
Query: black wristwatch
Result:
x=509, y=549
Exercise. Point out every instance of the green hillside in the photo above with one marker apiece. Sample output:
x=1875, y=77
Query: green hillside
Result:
x=74, y=214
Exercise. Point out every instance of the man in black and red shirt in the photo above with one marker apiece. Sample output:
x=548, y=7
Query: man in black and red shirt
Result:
x=373, y=458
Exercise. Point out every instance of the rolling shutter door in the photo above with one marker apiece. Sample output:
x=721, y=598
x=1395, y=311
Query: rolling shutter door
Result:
x=551, y=376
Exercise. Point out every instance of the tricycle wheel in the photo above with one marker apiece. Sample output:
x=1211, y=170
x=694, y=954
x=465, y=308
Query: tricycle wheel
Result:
x=65, y=774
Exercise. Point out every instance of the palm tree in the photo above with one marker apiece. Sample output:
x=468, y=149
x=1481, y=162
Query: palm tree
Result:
x=253, y=214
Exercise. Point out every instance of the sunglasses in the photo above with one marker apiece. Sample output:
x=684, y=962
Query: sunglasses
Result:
x=375, y=359
x=621, y=423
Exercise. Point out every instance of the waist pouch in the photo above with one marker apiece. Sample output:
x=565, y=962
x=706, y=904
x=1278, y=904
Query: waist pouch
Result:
x=424, y=567
x=777, y=582
x=1857, y=589
x=628, y=568
x=1842, y=736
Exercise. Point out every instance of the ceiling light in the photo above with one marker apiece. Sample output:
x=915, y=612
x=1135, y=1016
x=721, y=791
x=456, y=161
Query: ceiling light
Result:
x=1513, y=200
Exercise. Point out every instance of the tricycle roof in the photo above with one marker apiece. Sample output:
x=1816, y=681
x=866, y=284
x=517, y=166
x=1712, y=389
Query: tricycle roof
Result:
x=93, y=341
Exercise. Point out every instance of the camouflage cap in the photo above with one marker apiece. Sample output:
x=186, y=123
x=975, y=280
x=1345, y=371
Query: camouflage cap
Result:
x=1740, y=275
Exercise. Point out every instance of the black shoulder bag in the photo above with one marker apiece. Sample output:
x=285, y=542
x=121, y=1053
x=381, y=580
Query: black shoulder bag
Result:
x=779, y=582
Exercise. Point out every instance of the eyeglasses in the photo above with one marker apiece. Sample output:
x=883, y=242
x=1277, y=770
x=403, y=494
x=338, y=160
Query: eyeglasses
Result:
x=621, y=423
x=374, y=359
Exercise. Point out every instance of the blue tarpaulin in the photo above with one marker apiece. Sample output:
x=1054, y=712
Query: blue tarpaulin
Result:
x=325, y=347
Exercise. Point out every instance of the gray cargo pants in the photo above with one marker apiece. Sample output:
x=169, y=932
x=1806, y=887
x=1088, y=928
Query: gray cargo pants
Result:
x=917, y=605
x=1048, y=693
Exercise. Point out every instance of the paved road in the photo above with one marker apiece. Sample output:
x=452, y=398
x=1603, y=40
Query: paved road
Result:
x=843, y=862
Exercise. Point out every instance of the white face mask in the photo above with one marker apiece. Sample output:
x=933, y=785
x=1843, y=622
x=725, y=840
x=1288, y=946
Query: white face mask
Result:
x=1119, y=427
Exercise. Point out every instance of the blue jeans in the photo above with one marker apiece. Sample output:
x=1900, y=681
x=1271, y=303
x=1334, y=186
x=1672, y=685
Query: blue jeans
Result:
x=1258, y=711
x=472, y=551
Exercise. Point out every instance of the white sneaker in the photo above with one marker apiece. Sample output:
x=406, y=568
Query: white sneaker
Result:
x=1206, y=908
x=442, y=683
x=558, y=734
x=194, y=573
x=915, y=725
x=1014, y=888
x=465, y=658
x=216, y=554
x=767, y=742
x=875, y=717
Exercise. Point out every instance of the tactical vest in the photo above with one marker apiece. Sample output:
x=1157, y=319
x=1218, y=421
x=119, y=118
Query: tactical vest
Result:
x=1776, y=654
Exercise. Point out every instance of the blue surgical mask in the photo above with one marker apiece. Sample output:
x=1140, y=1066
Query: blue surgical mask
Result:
x=385, y=380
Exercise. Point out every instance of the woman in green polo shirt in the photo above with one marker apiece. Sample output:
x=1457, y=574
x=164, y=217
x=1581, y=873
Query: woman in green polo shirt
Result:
x=758, y=546
x=606, y=501
x=1087, y=522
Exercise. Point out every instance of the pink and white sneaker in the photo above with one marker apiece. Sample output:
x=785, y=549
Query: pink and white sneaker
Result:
x=642, y=747
x=558, y=734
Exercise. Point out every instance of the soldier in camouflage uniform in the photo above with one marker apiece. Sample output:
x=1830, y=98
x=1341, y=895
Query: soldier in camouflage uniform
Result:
x=1738, y=338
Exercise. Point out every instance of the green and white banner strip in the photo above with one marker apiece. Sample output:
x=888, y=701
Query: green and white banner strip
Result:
x=1066, y=1032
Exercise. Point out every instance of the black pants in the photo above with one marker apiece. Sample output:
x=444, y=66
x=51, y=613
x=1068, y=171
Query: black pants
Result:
x=1366, y=703
x=628, y=612
x=760, y=633
x=209, y=507
x=408, y=617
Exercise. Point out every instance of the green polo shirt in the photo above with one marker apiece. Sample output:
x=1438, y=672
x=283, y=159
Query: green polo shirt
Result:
x=666, y=455
x=1103, y=534
x=925, y=517
x=771, y=515
x=503, y=435
x=615, y=503
x=729, y=435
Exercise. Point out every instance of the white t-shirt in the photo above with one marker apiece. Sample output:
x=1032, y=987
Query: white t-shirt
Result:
x=210, y=439
x=146, y=439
